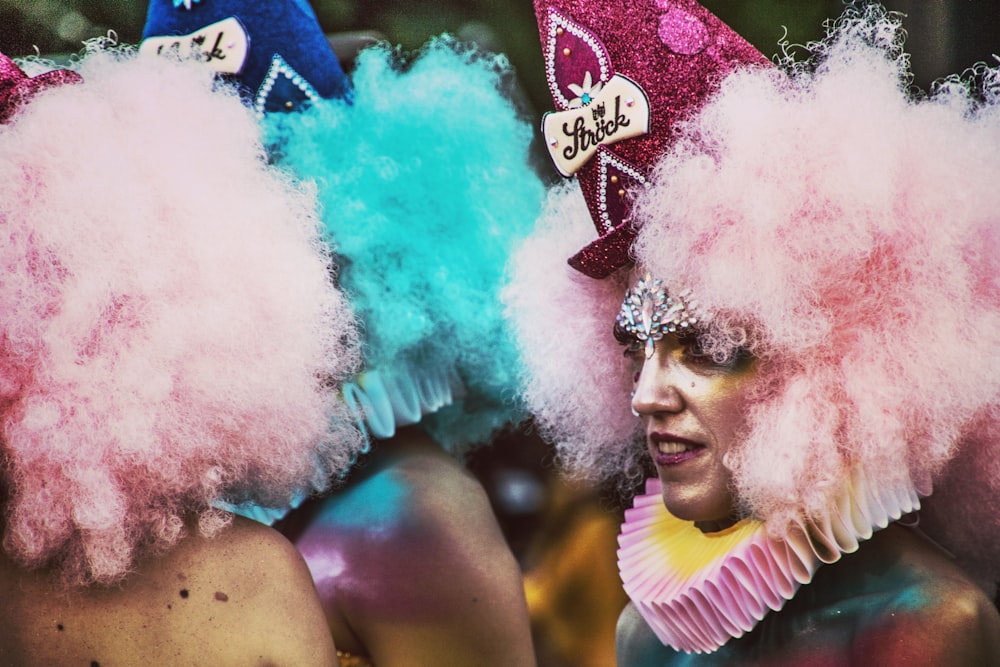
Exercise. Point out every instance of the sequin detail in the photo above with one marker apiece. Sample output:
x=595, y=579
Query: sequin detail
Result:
x=572, y=50
x=648, y=313
x=613, y=175
x=675, y=53
x=16, y=88
x=682, y=33
x=600, y=258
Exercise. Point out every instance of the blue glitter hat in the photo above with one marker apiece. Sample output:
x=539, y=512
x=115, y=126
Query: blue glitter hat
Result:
x=282, y=58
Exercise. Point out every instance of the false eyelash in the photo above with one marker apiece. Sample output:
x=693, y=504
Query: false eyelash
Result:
x=622, y=336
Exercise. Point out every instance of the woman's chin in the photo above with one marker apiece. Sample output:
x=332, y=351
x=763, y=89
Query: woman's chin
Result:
x=707, y=515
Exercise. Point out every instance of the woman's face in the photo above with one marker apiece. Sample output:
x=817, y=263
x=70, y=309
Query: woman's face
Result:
x=693, y=410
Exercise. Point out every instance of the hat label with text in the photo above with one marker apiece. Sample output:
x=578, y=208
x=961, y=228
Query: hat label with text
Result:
x=619, y=111
x=223, y=45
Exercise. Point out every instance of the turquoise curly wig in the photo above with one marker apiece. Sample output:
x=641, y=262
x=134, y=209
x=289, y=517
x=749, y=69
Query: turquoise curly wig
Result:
x=425, y=183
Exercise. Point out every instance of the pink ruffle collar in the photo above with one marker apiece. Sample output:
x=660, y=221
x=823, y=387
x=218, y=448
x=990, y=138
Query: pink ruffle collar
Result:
x=698, y=590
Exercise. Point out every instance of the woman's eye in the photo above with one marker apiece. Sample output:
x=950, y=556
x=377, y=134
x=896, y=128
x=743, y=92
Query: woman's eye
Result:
x=692, y=350
x=632, y=345
x=699, y=358
x=633, y=348
x=696, y=356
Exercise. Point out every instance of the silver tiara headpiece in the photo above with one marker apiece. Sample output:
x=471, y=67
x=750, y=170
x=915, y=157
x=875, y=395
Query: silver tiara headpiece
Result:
x=649, y=312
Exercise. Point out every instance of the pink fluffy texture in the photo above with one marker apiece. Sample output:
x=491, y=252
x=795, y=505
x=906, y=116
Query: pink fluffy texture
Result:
x=578, y=380
x=169, y=331
x=847, y=236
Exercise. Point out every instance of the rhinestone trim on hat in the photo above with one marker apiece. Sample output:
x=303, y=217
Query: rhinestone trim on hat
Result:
x=604, y=159
x=279, y=67
x=556, y=22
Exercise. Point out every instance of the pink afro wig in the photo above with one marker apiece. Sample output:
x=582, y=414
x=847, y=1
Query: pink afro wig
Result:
x=170, y=336
x=846, y=235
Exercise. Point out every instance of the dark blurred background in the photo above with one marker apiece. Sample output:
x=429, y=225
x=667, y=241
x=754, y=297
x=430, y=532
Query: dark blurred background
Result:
x=945, y=36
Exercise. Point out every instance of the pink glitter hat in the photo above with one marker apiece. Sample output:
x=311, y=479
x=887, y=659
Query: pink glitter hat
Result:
x=621, y=76
x=16, y=87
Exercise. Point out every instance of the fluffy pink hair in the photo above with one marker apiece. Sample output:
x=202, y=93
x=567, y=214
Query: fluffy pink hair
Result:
x=169, y=333
x=847, y=235
x=578, y=380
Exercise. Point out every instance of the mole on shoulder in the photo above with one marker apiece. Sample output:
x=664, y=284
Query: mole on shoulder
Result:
x=94, y=663
x=184, y=593
x=60, y=627
x=221, y=597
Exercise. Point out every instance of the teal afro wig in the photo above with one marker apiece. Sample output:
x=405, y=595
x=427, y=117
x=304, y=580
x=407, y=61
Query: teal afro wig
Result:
x=424, y=178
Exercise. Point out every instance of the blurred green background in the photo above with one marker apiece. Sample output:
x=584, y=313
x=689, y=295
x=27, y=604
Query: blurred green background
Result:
x=945, y=36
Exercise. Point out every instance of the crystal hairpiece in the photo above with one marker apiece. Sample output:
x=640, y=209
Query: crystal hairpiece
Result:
x=648, y=312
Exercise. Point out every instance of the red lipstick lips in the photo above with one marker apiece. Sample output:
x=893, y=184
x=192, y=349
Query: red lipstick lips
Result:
x=671, y=450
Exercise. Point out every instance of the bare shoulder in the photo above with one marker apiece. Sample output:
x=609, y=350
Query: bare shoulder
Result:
x=419, y=497
x=417, y=501
x=254, y=561
x=636, y=645
x=424, y=574
x=631, y=634
x=934, y=593
x=966, y=628
x=250, y=581
x=444, y=497
x=240, y=597
x=255, y=546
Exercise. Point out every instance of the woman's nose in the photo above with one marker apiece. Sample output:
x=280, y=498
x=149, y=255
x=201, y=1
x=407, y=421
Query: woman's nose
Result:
x=656, y=387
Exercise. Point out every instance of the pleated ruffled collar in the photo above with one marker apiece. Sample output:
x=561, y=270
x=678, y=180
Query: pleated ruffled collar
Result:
x=699, y=590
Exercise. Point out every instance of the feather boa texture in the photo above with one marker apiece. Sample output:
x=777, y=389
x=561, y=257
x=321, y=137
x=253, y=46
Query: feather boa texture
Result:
x=425, y=183
x=170, y=334
x=845, y=233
